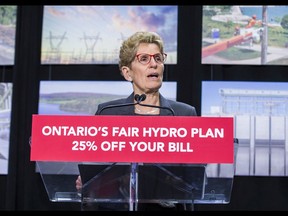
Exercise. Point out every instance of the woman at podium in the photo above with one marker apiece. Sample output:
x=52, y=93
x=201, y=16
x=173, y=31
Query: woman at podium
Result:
x=141, y=62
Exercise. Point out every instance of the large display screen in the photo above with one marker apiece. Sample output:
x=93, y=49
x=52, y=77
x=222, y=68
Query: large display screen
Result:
x=7, y=34
x=260, y=111
x=5, y=119
x=82, y=98
x=245, y=34
x=93, y=34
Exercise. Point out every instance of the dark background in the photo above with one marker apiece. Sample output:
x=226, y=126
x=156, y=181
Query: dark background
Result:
x=23, y=189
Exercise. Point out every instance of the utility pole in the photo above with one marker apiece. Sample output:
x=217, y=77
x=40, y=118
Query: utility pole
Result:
x=264, y=42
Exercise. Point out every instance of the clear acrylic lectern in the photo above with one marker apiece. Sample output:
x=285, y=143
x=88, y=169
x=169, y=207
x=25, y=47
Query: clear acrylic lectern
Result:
x=124, y=186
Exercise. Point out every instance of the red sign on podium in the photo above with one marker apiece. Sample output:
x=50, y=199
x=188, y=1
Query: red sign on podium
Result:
x=141, y=139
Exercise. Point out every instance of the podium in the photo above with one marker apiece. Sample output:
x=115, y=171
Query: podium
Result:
x=126, y=186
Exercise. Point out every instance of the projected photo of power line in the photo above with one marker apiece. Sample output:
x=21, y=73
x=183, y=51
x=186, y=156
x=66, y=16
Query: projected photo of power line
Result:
x=93, y=34
x=5, y=119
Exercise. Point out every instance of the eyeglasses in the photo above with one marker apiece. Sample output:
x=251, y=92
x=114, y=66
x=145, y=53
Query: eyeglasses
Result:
x=145, y=58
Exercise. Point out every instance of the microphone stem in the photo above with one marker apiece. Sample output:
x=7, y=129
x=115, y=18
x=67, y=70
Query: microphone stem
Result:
x=115, y=106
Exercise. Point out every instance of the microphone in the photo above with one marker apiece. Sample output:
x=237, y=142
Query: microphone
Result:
x=137, y=97
x=142, y=97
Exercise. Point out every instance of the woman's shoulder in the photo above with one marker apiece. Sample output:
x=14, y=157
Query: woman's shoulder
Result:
x=110, y=106
x=113, y=102
x=179, y=104
x=182, y=108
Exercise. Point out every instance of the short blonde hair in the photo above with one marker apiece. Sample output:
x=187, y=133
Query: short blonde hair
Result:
x=130, y=46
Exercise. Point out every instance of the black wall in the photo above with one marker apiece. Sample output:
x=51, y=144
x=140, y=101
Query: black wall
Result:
x=23, y=189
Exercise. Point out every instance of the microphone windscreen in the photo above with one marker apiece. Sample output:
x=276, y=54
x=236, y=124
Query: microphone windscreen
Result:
x=142, y=97
x=136, y=97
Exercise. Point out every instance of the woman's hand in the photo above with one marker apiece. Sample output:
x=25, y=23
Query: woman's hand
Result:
x=78, y=183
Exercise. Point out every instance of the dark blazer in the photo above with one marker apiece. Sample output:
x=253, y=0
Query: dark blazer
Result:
x=114, y=107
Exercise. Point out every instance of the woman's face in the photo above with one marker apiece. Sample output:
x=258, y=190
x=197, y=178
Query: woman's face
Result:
x=146, y=78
